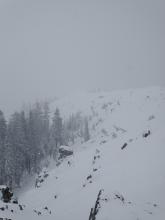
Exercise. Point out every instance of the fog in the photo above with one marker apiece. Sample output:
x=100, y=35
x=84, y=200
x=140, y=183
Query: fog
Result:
x=54, y=47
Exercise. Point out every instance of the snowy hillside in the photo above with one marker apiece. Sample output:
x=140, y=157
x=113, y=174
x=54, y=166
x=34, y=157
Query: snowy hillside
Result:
x=123, y=160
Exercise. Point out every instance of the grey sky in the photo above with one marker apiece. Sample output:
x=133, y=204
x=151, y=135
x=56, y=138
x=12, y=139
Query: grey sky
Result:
x=54, y=47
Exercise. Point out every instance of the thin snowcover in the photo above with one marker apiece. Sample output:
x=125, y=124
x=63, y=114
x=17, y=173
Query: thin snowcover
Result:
x=132, y=180
x=66, y=148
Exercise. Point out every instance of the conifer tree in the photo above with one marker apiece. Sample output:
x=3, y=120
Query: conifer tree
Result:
x=3, y=133
x=56, y=133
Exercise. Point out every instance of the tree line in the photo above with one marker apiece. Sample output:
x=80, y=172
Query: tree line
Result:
x=28, y=137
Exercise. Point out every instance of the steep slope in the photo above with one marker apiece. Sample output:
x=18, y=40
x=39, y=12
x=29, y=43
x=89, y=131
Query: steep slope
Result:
x=131, y=110
x=124, y=159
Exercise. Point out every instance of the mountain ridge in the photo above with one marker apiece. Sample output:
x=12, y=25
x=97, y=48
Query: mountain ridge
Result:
x=124, y=158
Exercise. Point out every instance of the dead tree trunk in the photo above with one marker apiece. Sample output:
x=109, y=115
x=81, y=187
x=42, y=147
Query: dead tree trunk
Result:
x=94, y=211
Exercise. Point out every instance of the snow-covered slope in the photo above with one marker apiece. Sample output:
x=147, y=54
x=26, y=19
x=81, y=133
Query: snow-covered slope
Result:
x=124, y=158
x=131, y=110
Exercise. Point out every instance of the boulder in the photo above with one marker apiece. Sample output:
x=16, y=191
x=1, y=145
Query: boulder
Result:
x=6, y=194
x=65, y=151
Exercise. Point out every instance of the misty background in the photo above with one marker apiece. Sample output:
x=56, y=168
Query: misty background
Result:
x=54, y=47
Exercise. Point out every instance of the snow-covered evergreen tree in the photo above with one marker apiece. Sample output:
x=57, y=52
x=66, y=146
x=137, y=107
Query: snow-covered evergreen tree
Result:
x=3, y=131
x=56, y=133
x=16, y=143
x=86, y=130
x=46, y=129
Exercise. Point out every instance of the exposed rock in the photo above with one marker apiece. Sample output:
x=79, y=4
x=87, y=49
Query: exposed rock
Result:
x=120, y=197
x=65, y=151
x=89, y=177
x=6, y=194
x=146, y=134
x=124, y=146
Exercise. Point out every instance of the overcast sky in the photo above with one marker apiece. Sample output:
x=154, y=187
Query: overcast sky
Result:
x=55, y=47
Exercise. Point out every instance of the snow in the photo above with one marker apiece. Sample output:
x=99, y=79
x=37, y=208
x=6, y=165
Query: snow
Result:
x=137, y=172
x=2, y=187
x=67, y=148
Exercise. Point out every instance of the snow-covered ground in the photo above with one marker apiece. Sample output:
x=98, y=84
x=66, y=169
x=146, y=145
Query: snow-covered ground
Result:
x=132, y=179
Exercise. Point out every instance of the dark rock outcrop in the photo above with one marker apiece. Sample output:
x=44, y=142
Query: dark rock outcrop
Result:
x=6, y=194
x=65, y=151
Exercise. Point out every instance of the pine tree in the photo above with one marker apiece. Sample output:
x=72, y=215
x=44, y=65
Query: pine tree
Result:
x=56, y=133
x=86, y=130
x=16, y=144
x=33, y=142
x=45, y=135
x=3, y=132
